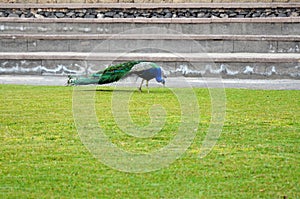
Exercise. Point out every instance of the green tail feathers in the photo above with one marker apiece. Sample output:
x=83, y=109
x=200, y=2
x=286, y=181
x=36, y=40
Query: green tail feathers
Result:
x=116, y=72
x=108, y=75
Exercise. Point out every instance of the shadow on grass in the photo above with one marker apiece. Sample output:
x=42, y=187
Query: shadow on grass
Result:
x=128, y=90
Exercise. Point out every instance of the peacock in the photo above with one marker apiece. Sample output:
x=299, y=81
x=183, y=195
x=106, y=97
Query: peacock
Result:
x=142, y=69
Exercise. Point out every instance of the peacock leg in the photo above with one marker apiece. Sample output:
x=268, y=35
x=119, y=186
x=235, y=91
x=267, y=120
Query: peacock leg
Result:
x=140, y=88
x=147, y=85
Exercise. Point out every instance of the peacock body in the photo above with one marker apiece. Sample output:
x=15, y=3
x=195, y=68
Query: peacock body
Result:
x=108, y=75
x=144, y=70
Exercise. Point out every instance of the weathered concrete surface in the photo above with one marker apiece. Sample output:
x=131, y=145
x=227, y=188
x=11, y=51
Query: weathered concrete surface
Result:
x=123, y=45
x=282, y=84
x=185, y=43
x=215, y=48
x=256, y=26
x=165, y=56
x=231, y=65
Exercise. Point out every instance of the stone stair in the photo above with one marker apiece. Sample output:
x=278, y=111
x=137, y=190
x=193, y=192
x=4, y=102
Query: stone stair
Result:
x=239, y=48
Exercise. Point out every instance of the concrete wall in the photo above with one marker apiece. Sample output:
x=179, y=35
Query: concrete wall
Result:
x=211, y=37
x=286, y=26
x=270, y=47
x=188, y=69
x=181, y=46
x=146, y=1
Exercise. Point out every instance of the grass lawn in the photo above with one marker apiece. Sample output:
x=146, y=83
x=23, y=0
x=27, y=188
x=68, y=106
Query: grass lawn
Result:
x=42, y=156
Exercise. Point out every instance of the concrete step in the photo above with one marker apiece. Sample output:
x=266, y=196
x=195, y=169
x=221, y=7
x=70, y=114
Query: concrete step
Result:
x=166, y=57
x=176, y=43
x=242, y=48
x=214, y=26
x=240, y=65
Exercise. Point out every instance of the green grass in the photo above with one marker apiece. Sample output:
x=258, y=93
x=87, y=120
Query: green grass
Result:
x=42, y=156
